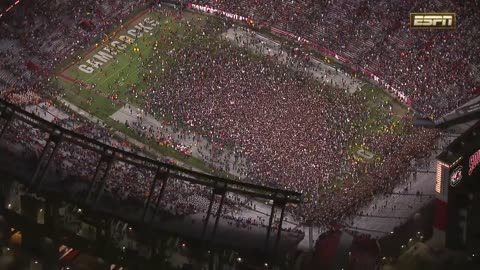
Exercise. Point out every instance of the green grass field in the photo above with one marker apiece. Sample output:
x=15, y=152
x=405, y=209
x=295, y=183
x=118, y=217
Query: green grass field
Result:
x=121, y=80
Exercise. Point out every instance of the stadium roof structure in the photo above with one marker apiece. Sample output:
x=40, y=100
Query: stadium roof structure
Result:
x=469, y=111
x=39, y=182
x=465, y=144
x=9, y=111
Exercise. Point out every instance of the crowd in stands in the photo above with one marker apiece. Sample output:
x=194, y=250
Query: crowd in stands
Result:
x=295, y=134
x=376, y=35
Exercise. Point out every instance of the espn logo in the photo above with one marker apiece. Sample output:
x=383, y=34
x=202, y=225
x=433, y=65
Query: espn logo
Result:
x=433, y=20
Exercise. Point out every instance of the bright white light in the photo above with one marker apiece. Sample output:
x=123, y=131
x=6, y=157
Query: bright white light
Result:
x=239, y=259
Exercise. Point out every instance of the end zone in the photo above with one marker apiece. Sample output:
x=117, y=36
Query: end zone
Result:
x=85, y=55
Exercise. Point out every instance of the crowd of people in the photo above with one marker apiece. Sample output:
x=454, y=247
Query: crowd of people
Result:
x=376, y=35
x=124, y=181
x=294, y=132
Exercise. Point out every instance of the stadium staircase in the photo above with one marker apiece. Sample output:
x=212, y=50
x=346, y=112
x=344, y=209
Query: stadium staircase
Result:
x=7, y=77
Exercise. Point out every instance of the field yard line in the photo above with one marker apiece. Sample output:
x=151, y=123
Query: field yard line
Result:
x=107, y=78
x=67, y=78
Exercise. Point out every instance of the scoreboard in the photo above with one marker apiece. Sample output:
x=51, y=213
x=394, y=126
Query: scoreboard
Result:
x=458, y=184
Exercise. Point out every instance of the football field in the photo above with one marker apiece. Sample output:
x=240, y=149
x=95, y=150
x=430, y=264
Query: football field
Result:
x=115, y=70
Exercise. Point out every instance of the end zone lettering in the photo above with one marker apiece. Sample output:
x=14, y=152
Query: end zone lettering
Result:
x=109, y=51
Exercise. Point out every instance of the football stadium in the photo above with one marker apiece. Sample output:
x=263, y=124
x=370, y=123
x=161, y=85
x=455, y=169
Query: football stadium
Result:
x=239, y=134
